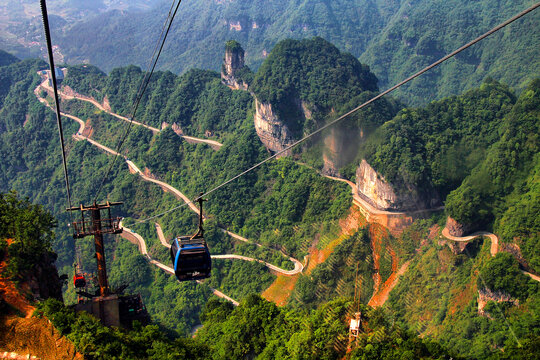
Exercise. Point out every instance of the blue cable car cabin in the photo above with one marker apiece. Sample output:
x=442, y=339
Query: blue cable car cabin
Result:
x=190, y=255
x=191, y=258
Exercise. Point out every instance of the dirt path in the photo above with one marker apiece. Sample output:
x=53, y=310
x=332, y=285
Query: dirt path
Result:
x=281, y=289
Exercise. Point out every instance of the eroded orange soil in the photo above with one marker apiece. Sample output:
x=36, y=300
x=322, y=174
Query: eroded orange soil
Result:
x=281, y=289
x=10, y=294
x=29, y=335
x=381, y=290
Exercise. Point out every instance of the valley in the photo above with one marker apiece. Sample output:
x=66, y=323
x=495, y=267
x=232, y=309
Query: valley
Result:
x=381, y=291
x=423, y=220
x=132, y=236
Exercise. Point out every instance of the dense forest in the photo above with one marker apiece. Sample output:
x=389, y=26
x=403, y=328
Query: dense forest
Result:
x=478, y=152
x=256, y=328
x=395, y=38
x=26, y=234
x=282, y=198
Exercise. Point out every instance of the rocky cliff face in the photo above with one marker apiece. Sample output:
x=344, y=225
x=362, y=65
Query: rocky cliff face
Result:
x=375, y=189
x=232, y=64
x=44, y=282
x=457, y=229
x=274, y=134
x=485, y=295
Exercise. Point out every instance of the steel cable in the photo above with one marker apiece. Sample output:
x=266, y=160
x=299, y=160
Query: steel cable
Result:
x=144, y=85
x=427, y=68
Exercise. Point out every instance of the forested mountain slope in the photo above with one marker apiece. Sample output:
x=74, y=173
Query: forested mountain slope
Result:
x=282, y=205
x=6, y=58
x=429, y=151
x=396, y=38
x=289, y=207
x=477, y=153
x=503, y=188
x=422, y=31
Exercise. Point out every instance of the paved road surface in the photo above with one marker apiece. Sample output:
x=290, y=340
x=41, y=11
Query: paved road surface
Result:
x=370, y=208
x=494, y=249
x=45, y=85
x=298, y=267
x=139, y=241
x=494, y=239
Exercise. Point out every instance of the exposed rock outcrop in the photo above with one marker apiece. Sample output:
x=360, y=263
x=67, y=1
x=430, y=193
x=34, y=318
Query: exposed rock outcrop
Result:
x=233, y=63
x=380, y=193
x=274, y=134
x=457, y=229
x=459, y=247
x=485, y=295
x=177, y=129
x=515, y=251
x=374, y=188
x=44, y=282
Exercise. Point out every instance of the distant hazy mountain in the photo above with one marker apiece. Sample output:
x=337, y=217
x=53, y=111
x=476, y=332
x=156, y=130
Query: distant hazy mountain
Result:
x=422, y=31
x=394, y=37
x=21, y=27
x=202, y=27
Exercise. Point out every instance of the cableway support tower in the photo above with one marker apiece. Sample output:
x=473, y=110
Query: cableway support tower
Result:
x=112, y=309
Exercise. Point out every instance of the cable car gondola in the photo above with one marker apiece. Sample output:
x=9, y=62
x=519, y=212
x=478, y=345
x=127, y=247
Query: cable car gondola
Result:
x=190, y=255
x=79, y=281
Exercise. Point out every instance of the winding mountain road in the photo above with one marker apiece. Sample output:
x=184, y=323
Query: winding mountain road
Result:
x=297, y=265
x=164, y=186
x=138, y=240
x=494, y=248
x=494, y=239
x=45, y=86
